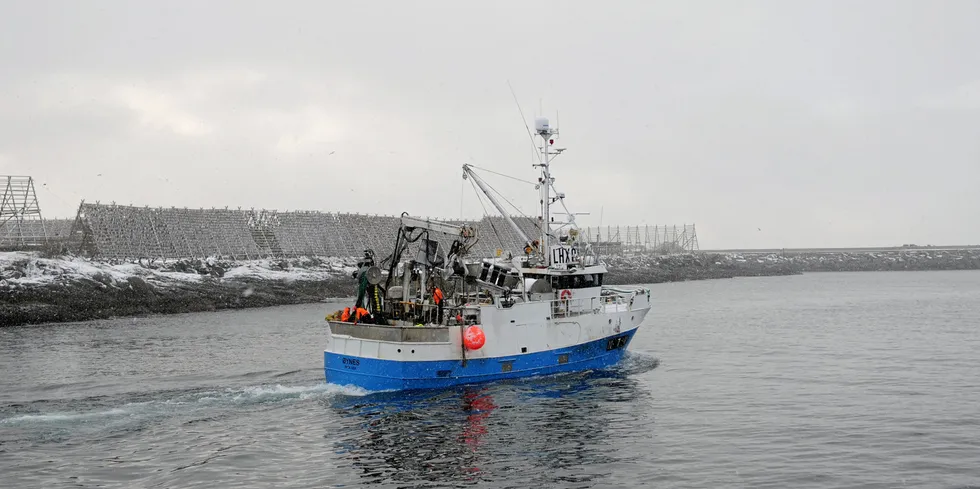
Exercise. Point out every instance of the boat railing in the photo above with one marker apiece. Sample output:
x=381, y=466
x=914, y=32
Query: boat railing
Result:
x=575, y=306
x=617, y=296
x=427, y=313
x=588, y=305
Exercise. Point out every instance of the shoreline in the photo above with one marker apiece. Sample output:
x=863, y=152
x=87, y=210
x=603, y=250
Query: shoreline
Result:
x=35, y=289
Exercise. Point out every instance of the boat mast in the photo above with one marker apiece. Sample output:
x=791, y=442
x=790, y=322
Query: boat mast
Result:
x=543, y=128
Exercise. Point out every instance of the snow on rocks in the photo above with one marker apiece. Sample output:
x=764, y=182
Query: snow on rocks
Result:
x=30, y=269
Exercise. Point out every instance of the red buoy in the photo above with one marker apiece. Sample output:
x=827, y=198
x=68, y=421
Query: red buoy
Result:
x=473, y=338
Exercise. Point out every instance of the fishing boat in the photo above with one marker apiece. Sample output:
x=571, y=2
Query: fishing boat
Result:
x=433, y=314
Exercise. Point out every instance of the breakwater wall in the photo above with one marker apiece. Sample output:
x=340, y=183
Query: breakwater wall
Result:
x=36, y=289
x=649, y=269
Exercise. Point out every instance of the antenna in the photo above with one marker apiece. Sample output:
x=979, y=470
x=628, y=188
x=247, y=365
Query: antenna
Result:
x=534, y=147
x=598, y=233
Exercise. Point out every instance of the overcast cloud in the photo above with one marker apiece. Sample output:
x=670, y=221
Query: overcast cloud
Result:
x=768, y=124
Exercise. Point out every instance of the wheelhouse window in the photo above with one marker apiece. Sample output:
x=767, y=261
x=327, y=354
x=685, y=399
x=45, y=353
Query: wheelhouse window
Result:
x=576, y=281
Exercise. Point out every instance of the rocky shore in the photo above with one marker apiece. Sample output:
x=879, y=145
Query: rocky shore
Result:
x=38, y=290
x=35, y=289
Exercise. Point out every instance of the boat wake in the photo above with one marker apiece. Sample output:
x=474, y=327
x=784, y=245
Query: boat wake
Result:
x=636, y=363
x=131, y=412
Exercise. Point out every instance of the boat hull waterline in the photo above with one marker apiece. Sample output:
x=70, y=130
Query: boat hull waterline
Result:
x=373, y=374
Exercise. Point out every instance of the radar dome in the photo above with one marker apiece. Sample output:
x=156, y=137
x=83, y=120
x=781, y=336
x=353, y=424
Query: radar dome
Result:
x=541, y=125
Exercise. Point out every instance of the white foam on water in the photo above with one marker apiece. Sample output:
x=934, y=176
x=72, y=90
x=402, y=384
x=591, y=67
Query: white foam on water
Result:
x=190, y=402
x=637, y=362
x=67, y=417
x=283, y=392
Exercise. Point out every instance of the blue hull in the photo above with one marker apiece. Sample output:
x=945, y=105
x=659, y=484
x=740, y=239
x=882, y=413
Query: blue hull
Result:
x=382, y=375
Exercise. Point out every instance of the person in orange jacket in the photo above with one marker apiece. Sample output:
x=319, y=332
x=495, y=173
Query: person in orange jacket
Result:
x=361, y=313
x=345, y=316
x=437, y=297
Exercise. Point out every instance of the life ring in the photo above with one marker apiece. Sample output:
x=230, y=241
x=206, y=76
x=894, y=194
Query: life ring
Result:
x=566, y=294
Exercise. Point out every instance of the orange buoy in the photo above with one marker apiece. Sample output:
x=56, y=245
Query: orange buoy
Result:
x=474, y=338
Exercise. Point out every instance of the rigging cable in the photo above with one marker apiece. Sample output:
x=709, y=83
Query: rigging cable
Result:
x=537, y=228
x=534, y=147
x=487, y=215
x=503, y=175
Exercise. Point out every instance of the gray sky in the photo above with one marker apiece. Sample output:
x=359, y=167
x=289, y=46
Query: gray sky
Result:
x=767, y=124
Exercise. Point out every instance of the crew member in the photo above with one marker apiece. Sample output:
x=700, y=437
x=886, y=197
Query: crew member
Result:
x=345, y=316
x=438, y=299
x=361, y=313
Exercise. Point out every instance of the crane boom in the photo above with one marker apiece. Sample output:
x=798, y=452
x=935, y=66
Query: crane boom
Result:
x=467, y=171
x=439, y=227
